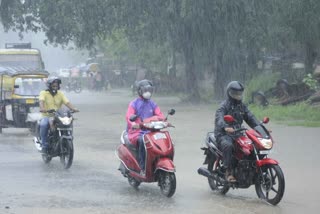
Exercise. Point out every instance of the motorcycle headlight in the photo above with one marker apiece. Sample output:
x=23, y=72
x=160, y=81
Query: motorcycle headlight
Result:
x=65, y=120
x=266, y=143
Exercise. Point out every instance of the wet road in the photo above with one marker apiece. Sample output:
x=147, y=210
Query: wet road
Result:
x=94, y=185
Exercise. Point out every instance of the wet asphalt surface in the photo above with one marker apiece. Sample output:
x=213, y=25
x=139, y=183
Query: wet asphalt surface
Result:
x=94, y=185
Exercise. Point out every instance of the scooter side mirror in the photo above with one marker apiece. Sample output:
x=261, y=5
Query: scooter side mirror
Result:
x=265, y=120
x=228, y=119
x=133, y=117
x=172, y=111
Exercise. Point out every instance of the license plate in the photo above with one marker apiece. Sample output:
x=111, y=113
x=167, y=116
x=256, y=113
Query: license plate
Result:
x=264, y=152
x=159, y=136
x=30, y=101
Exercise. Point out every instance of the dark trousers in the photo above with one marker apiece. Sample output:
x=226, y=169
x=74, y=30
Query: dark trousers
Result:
x=142, y=153
x=225, y=144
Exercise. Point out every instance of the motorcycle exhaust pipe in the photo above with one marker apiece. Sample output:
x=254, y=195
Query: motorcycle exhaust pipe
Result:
x=205, y=172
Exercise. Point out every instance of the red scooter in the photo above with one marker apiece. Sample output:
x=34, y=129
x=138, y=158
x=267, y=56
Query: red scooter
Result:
x=159, y=156
x=251, y=165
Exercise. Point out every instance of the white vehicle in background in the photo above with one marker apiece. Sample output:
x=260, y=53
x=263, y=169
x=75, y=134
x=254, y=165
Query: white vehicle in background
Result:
x=63, y=72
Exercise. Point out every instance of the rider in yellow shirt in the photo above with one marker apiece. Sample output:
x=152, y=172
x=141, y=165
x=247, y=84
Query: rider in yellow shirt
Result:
x=51, y=99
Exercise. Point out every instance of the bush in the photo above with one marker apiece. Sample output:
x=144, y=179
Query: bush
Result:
x=300, y=114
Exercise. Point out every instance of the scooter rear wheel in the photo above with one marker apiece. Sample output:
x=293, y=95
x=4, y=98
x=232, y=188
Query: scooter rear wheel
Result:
x=167, y=183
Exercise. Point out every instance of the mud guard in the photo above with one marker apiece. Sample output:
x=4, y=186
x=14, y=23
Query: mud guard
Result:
x=165, y=164
x=266, y=161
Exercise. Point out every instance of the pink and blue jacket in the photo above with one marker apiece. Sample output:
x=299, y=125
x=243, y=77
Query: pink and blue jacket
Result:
x=143, y=109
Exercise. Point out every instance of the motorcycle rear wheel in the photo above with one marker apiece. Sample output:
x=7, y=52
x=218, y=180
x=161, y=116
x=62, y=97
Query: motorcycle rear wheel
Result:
x=167, y=183
x=270, y=184
x=215, y=185
x=67, y=152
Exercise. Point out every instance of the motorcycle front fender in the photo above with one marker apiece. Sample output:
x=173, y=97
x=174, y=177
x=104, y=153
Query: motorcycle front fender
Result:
x=165, y=164
x=266, y=161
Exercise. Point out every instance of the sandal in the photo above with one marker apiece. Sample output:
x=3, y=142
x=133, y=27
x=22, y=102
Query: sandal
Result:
x=231, y=179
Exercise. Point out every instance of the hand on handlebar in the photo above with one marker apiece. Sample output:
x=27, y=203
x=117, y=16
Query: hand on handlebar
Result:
x=75, y=110
x=135, y=125
x=229, y=130
x=50, y=111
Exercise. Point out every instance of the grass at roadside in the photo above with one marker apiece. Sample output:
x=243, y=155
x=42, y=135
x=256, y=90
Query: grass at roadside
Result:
x=300, y=114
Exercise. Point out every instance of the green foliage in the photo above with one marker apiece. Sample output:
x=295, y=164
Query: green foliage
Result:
x=300, y=114
x=262, y=82
x=310, y=81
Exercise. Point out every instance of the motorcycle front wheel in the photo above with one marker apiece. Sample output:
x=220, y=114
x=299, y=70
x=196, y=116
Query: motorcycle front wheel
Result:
x=66, y=156
x=270, y=184
x=46, y=158
x=217, y=183
x=167, y=183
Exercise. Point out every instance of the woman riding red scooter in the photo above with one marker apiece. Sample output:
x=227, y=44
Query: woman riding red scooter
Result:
x=144, y=108
x=156, y=151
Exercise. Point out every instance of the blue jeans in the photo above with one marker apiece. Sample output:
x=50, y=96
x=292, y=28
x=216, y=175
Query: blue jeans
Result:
x=44, y=128
x=142, y=152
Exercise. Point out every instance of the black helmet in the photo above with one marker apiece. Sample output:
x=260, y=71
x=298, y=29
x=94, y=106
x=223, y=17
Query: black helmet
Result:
x=51, y=80
x=144, y=86
x=235, y=90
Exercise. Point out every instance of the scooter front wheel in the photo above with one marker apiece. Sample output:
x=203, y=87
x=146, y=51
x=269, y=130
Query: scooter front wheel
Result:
x=167, y=183
x=133, y=182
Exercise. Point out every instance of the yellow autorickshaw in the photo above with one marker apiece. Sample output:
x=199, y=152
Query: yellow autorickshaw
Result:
x=22, y=77
x=19, y=103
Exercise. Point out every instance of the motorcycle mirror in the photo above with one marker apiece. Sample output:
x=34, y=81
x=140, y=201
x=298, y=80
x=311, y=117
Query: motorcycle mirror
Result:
x=172, y=111
x=265, y=120
x=228, y=119
x=133, y=117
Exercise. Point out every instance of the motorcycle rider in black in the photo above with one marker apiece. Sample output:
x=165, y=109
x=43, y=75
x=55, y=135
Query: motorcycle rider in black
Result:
x=231, y=106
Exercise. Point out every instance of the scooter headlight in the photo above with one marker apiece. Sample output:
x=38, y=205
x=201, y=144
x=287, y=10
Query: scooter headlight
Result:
x=65, y=120
x=156, y=125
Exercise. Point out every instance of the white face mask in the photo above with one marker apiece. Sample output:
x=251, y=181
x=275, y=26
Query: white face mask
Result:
x=146, y=95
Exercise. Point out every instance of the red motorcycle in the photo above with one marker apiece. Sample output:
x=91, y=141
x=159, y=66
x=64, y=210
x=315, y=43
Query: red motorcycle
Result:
x=159, y=156
x=251, y=165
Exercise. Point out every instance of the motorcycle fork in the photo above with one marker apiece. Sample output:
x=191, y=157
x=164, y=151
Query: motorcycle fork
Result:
x=259, y=170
